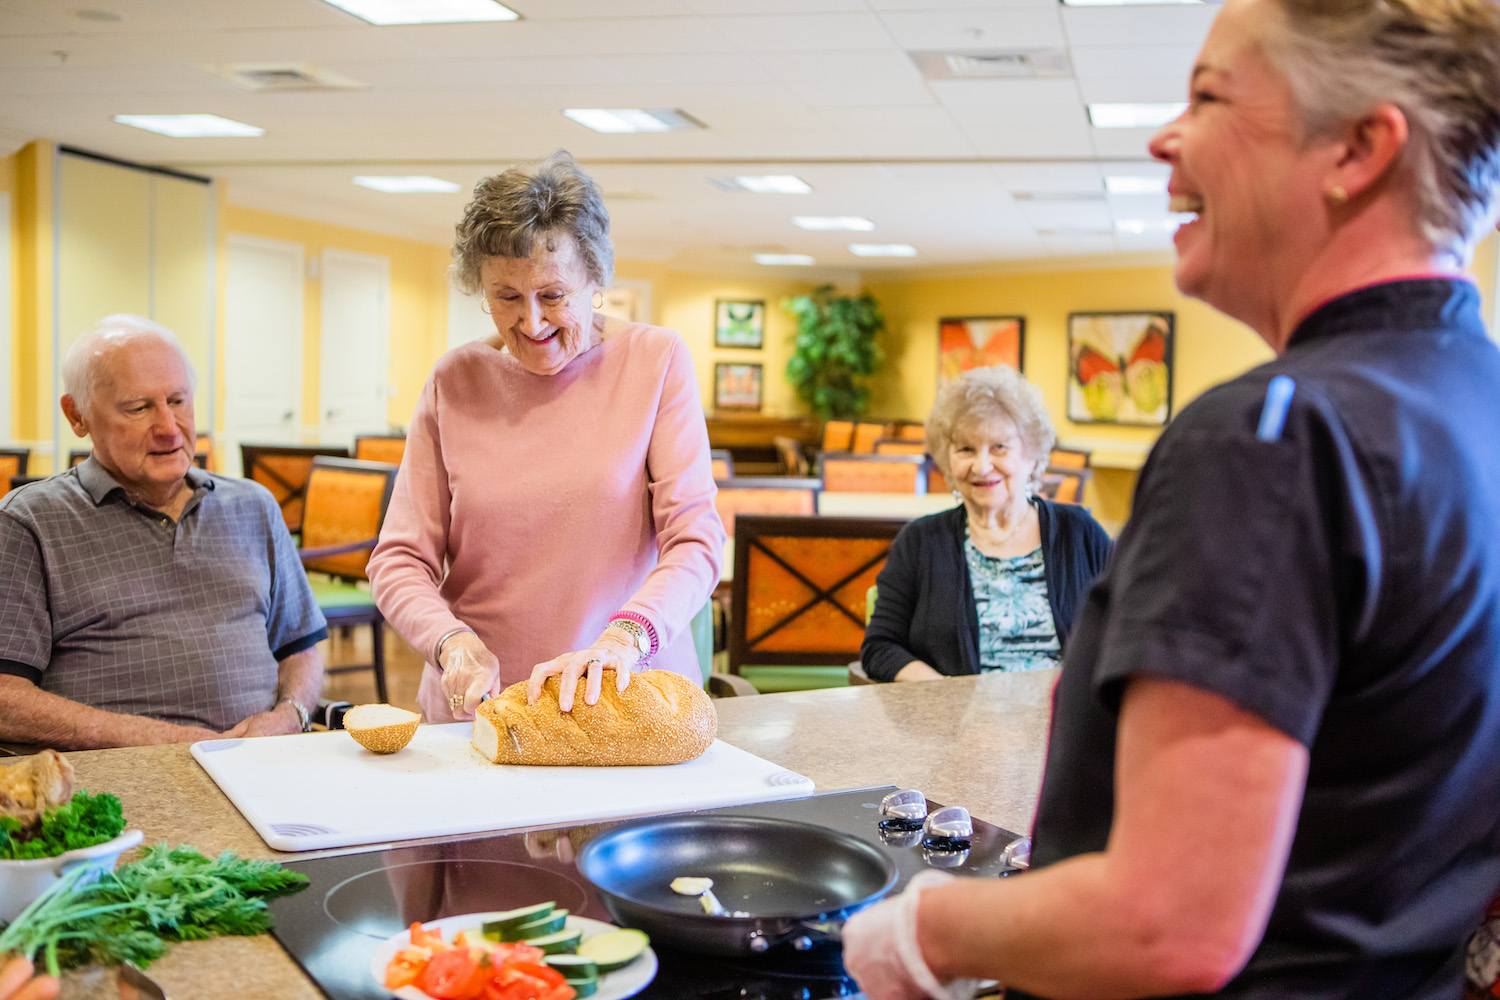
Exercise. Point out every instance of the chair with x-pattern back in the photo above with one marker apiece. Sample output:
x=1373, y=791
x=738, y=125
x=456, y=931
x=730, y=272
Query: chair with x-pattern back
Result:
x=800, y=586
x=283, y=469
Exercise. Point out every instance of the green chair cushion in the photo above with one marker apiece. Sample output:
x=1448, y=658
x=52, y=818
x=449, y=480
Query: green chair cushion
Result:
x=777, y=679
x=331, y=593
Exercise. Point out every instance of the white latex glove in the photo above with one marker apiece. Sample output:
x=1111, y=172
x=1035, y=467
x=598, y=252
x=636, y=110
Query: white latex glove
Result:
x=882, y=954
x=470, y=671
x=614, y=650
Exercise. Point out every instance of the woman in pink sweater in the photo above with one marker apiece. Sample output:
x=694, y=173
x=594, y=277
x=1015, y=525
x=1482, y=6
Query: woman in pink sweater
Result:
x=554, y=513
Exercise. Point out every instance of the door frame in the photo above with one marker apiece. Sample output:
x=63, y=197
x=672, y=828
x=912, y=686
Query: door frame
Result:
x=293, y=252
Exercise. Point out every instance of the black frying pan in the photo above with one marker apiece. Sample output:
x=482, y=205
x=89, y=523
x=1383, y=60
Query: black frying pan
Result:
x=797, y=882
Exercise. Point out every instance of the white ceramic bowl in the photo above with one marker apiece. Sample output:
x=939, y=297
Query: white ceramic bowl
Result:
x=23, y=881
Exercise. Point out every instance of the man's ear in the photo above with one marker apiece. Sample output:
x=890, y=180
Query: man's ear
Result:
x=1372, y=145
x=75, y=418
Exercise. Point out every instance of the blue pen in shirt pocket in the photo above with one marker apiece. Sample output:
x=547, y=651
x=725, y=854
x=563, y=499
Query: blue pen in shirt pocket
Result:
x=1273, y=411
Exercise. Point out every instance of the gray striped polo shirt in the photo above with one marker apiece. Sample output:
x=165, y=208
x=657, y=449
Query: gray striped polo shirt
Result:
x=107, y=602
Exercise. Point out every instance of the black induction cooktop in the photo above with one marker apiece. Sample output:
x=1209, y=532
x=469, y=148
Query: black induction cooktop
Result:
x=357, y=901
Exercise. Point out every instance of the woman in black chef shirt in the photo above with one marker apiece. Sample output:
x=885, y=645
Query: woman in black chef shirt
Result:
x=1275, y=751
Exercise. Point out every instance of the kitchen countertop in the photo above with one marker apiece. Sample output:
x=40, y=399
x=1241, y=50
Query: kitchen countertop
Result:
x=978, y=742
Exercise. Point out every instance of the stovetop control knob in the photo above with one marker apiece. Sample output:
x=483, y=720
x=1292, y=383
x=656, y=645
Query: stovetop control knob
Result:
x=802, y=943
x=758, y=942
x=908, y=805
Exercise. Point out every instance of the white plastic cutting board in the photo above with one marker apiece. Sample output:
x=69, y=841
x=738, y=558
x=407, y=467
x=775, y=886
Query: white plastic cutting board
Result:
x=319, y=790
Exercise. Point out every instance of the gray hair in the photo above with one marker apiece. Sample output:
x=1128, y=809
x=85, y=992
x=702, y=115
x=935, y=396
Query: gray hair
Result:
x=1436, y=60
x=514, y=209
x=981, y=394
x=80, y=369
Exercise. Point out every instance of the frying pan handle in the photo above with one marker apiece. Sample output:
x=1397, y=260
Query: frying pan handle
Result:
x=826, y=930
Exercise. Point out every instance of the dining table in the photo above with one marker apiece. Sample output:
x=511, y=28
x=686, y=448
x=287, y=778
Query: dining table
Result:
x=977, y=741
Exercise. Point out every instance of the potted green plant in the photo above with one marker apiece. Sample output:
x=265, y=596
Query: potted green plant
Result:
x=834, y=348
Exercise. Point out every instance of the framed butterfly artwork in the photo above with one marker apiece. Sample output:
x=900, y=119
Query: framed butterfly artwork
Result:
x=966, y=342
x=739, y=323
x=1120, y=368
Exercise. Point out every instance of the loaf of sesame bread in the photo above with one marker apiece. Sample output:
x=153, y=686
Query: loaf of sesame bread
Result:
x=661, y=718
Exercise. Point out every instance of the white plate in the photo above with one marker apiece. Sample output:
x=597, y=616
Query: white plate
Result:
x=626, y=982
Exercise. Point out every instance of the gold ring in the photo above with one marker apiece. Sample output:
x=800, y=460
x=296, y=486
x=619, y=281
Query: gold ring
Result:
x=590, y=663
x=457, y=701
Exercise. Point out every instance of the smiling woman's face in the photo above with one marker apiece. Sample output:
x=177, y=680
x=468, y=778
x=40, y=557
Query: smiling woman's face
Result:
x=542, y=305
x=989, y=465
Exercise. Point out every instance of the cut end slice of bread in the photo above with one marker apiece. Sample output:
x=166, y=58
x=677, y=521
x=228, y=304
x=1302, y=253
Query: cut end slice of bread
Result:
x=381, y=728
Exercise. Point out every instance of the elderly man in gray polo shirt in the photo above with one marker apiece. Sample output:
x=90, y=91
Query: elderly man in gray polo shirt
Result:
x=144, y=600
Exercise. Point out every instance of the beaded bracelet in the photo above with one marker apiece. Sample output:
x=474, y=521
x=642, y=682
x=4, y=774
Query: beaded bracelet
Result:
x=643, y=622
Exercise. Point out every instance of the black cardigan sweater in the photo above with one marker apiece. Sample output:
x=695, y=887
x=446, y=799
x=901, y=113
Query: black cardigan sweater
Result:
x=924, y=607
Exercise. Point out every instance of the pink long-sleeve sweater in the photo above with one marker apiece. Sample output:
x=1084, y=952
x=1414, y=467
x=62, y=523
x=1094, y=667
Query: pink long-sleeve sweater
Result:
x=532, y=508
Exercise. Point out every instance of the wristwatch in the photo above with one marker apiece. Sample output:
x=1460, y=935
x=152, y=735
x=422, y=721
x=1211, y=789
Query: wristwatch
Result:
x=302, y=716
x=637, y=634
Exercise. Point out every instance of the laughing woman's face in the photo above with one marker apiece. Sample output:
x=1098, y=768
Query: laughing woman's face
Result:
x=542, y=305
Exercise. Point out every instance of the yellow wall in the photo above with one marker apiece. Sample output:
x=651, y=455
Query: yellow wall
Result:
x=418, y=298
x=31, y=364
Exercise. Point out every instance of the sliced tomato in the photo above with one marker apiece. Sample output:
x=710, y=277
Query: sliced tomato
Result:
x=535, y=970
x=513, y=951
x=527, y=981
x=453, y=975
x=404, y=968
x=421, y=937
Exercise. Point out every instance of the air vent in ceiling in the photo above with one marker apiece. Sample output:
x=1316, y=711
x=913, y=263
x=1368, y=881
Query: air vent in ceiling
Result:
x=285, y=76
x=991, y=65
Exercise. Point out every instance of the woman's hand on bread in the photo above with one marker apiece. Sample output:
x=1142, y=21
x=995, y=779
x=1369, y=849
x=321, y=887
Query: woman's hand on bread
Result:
x=470, y=671
x=614, y=650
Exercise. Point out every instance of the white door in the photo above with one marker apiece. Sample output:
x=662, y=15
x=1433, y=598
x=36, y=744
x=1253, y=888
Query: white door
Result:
x=466, y=321
x=262, y=345
x=355, y=332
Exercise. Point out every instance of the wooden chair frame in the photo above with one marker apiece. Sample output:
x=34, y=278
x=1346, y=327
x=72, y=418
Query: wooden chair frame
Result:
x=750, y=531
x=919, y=484
x=358, y=438
x=251, y=454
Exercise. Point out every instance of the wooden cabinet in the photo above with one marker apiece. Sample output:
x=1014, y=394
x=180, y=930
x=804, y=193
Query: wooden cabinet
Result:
x=749, y=438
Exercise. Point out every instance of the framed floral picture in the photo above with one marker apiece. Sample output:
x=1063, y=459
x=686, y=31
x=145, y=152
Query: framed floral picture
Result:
x=966, y=342
x=1120, y=368
x=739, y=323
x=738, y=385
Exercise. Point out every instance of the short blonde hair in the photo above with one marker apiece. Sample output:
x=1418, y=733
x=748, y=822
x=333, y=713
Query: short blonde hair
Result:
x=1436, y=60
x=981, y=394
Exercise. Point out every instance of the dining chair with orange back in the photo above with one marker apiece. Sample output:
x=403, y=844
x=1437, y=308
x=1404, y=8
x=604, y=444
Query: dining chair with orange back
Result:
x=790, y=456
x=1070, y=458
x=722, y=462
x=900, y=446
x=801, y=588
x=283, y=469
x=12, y=463
x=1063, y=484
x=388, y=448
x=873, y=473
x=765, y=495
x=908, y=431
x=838, y=435
x=203, y=452
x=865, y=436
x=343, y=508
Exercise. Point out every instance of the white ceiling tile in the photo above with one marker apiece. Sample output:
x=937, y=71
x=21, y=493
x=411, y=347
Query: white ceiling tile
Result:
x=976, y=30
x=1122, y=143
x=1004, y=93
x=829, y=32
x=1149, y=24
x=1051, y=178
x=771, y=6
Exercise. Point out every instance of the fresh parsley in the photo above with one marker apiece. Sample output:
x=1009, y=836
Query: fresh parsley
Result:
x=136, y=912
x=83, y=821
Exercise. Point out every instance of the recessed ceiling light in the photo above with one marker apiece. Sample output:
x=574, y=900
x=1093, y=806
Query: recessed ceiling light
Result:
x=633, y=119
x=1134, y=115
x=190, y=126
x=882, y=249
x=853, y=223
x=425, y=11
x=774, y=184
x=793, y=259
x=1135, y=185
x=407, y=185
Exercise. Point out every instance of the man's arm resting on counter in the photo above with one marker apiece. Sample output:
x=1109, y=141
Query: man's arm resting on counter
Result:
x=1206, y=802
x=33, y=716
x=299, y=676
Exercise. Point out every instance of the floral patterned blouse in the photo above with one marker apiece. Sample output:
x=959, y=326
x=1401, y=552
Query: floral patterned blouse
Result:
x=1016, y=631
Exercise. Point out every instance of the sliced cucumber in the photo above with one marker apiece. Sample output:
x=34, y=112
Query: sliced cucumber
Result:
x=614, y=950
x=583, y=987
x=560, y=941
x=573, y=966
x=548, y=924
x=496, y=929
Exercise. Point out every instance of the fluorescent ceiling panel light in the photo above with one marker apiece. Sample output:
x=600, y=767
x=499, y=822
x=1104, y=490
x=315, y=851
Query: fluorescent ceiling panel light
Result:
x=407, y=185
x=190, y=126
x=777, y=259
x=882, y=249
x=1135, y=185
x=774, y=184
x=1139, y=226
x=614, y=120
x=425, y=11
x=853, y=223
x=1134, y=115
